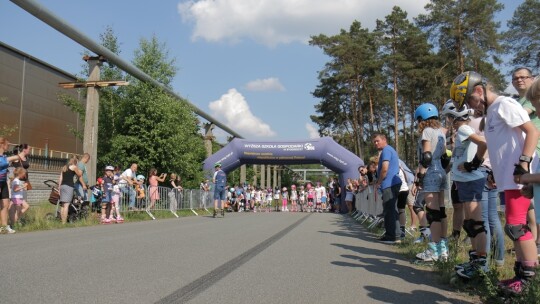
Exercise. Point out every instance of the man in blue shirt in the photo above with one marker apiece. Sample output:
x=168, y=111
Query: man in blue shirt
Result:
x=220, y=188
x=389, y=184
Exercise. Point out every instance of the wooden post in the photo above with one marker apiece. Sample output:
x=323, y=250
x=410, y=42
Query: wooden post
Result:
x=90, y=140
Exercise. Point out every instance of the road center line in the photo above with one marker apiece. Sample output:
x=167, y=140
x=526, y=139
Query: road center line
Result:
x=190, y=291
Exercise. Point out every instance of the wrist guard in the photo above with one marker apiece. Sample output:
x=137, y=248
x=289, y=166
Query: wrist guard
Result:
x=419, y=179
x=518, y=170
x=472, y=165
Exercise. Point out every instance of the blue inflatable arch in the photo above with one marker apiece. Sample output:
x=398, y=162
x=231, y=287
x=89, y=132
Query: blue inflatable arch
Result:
x=323, y=150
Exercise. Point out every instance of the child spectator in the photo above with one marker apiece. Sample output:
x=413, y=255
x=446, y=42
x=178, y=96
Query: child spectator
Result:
x=174, y=191
x=310, y=196
x=18, y=189
x=432, y=179
x=294, y=199
x=269, y=199
x=115, y=200
x=284, y=199
x=277, y=196
x=104, y=200
x=257, y=197
x=153, y=190
x=302, y=199
x=108, y=180
x=511, y=140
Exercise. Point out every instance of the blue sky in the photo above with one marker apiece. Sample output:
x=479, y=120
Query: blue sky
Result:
x=245, y=62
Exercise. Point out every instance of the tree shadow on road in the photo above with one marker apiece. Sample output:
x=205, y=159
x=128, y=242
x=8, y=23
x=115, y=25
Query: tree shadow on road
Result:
x=386, y=295
x=372, y=256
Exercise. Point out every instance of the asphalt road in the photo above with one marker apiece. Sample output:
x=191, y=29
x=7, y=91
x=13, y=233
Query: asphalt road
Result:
x=242, y=258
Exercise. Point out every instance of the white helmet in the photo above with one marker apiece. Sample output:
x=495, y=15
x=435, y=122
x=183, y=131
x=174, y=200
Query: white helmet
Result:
x=449, y=109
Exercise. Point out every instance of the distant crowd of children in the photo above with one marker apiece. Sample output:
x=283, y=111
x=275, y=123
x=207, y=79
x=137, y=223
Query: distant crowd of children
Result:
x=302, y=198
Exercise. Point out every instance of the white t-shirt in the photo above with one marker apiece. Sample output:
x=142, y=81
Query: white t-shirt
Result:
x=129, y=174
x=438, y=146
x=475, y=124
x=464, y=151
x=16, y=183
x=505, y=140
x=404, y=186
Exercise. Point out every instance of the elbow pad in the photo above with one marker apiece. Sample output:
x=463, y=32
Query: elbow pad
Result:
x=426, y=159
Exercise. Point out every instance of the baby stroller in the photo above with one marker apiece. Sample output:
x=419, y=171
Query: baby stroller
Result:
x=77, y=209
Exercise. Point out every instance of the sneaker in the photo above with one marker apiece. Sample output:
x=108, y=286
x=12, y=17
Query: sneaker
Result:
x=105, y=221
x=476, y=266
x=215, y=213
x=119, y=219
x=388, y=240
x=430, y=254
x=512, y=286
x=7, y=230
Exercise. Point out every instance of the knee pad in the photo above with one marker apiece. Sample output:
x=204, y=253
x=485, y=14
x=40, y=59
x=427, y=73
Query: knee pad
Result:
x=443, y=212
x=417, y=209
x=433, y=215
x=470, y=227
x=515, y=232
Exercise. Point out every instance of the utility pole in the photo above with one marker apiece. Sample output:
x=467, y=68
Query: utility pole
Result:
x=93, y=84
x=91, y=117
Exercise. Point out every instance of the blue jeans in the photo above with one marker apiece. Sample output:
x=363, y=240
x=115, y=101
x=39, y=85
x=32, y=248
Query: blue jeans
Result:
x=130, y=193
x=490, y=215
x=81, y=192
x=390, y=212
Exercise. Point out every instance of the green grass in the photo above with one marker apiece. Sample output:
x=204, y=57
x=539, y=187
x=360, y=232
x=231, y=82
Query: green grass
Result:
x=36, y=218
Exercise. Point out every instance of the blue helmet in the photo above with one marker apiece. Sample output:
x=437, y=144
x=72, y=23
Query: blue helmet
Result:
x=426, y=111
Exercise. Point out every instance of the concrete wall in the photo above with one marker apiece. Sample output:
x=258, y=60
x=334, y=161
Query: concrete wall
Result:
x=40, y=192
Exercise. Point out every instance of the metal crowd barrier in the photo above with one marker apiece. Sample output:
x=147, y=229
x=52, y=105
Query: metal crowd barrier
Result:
x=166, y=199
x=369, y=207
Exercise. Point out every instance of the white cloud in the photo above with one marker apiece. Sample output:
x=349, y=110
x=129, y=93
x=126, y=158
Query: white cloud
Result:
x=233, y=108
x=273, y=22
x=312, y=131
x=267, y=84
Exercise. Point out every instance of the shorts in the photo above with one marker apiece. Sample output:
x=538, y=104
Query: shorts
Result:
x=434, y=181
x=349, y=197
x=419, y=201
x=220, y=193
x=4, y=190
x=402, y=199
x=323, y=199
x=337, y=200
x=516, y=210
x=410, y=199
x=115, y=198
x=454, y=194
x=17, y=201
x=471, y=191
